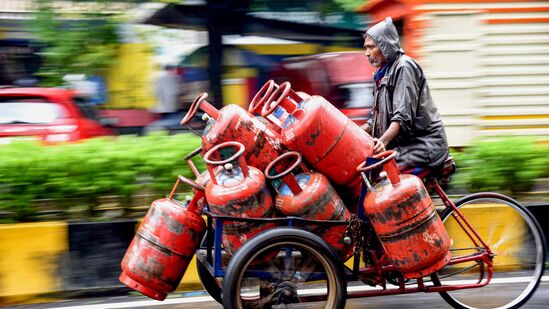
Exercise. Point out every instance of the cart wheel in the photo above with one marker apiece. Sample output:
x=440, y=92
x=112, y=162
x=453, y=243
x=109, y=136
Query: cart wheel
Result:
x=209, y=282
x=306, y=269
x=514, y=237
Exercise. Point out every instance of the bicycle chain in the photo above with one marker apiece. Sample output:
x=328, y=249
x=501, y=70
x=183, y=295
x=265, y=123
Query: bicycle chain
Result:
x=354, y=231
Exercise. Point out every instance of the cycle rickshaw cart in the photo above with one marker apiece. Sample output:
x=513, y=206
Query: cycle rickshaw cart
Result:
x=494, y=244
x=306, y=269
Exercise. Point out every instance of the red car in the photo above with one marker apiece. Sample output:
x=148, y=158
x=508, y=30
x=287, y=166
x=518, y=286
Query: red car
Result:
x=49, y=114
x=344, y=78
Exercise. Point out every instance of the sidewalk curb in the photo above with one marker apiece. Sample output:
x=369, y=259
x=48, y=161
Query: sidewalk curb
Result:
x=48, y=261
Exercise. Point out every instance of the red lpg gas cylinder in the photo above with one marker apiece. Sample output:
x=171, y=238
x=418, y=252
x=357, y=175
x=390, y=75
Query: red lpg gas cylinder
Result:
x=309, y=195
x=405, y=220
x=232, y=123
x=164, y=245
x=328, y=140
x=237, y=190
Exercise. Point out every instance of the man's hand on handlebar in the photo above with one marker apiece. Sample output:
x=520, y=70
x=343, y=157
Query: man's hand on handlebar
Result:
x=379, y=146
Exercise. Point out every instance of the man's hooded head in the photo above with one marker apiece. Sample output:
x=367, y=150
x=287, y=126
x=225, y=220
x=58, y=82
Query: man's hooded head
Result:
x=386, y=38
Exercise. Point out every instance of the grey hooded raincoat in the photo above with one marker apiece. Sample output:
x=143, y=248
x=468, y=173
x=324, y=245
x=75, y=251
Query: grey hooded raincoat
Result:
x=403, y=96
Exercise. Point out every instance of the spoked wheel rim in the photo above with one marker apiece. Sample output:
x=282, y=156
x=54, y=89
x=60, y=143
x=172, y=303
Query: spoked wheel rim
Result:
x=285, y=268
x=288, y=285
x=518, y=246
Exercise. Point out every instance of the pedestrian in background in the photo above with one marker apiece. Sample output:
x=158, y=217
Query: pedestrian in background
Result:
x=166, y=89
x=404, y=116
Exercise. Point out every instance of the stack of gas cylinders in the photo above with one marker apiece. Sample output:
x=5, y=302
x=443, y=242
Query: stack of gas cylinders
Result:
x=290, y=154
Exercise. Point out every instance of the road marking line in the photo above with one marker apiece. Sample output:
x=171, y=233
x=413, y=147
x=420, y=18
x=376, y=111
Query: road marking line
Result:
x=201, y=299
x=143, y=303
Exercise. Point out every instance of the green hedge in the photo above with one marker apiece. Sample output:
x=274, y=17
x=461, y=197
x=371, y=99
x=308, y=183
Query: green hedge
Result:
x=503, y=164
x=78, y=175
x=85, y=171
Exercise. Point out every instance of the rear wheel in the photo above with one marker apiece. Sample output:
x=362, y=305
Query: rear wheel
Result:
x=516, y=240
x=301, y=271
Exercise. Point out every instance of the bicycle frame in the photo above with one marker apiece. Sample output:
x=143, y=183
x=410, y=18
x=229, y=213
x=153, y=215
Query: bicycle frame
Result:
x=380, y=265
x=379, y=269
x=214, y=263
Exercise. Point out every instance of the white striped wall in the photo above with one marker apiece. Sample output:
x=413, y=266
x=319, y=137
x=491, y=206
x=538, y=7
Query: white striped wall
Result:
x=487, y=78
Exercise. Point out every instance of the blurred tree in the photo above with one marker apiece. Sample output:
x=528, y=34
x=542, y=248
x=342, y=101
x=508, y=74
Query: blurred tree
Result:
x=74, y=43
x=350, y=5
x=328, y=6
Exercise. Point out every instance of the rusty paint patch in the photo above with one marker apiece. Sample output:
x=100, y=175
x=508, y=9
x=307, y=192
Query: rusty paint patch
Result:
x=173, y=225
x=312, y=137
x=399, y=210
x=404, y=233
x=151, y=269
x=259, y=144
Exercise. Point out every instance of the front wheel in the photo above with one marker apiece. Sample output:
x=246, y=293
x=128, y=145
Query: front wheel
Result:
x=301, y=271
x=515, y=238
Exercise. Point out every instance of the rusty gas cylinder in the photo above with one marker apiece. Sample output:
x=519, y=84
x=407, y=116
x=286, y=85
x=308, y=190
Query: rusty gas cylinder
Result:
x=237, y=190
x=309, y=195
x=405, y=220
x=328, y=140
x=164, y=244
x=233, y=123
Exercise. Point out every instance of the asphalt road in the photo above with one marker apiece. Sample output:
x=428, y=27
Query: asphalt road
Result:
x=200, y=299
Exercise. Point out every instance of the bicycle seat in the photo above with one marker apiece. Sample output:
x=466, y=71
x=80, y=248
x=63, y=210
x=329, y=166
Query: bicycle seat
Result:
x=443, y=172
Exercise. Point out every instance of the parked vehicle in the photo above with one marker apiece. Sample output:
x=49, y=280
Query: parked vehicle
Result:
x=344, y=78
x=49, y=114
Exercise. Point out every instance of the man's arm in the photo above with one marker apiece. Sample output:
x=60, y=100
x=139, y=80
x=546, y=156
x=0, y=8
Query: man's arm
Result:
x=367, y=127
x=406, y=99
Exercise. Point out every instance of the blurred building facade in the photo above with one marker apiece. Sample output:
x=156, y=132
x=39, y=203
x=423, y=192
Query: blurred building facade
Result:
x=487, y=61
x=128, y=80
x=17, y=57
x=142, y=48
